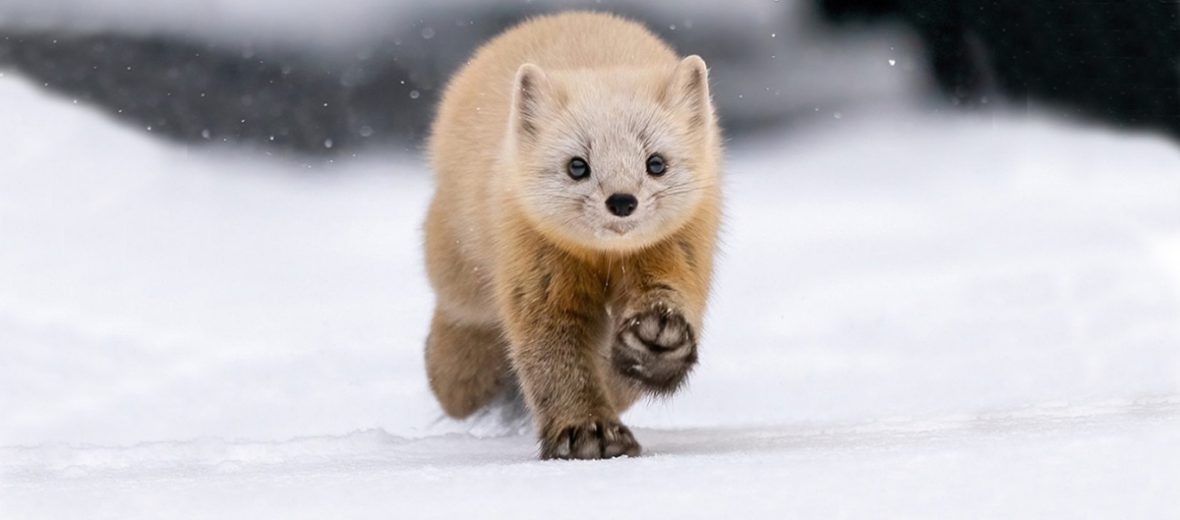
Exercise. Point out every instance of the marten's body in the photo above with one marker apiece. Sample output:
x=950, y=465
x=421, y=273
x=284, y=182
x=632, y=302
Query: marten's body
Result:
x=571, y=236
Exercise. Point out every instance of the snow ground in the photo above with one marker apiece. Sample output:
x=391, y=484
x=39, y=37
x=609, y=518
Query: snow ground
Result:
x=915, y=316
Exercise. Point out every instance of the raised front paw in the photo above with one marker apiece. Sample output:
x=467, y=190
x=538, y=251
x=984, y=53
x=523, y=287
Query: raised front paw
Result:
x=656, y=346
x=595, y=439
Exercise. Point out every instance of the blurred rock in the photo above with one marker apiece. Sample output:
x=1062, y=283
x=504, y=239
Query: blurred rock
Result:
x=203, y=92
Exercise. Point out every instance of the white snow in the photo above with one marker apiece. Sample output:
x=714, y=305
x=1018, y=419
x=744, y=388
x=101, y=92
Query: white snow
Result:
x=915, y=316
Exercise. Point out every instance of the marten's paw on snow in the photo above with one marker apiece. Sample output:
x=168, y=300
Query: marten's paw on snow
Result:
x=594, y=439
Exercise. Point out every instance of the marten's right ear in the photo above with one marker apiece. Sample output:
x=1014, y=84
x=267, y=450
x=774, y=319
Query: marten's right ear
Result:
x=532, y=98
x=688, y=89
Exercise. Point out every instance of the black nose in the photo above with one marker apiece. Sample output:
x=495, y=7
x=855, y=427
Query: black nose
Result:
x=621, y=204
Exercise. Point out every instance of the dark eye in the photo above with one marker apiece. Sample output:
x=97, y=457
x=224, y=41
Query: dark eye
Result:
x=578, y=169
x=656, y=166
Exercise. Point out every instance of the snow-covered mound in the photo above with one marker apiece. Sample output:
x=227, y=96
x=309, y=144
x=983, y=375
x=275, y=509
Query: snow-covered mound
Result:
x=914, y=315
x=307, y=21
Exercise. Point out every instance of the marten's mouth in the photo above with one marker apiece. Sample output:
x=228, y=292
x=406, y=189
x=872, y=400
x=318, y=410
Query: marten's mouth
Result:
x=620, y=228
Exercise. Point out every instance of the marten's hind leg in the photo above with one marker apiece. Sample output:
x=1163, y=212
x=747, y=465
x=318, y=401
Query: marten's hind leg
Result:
x=467, y=364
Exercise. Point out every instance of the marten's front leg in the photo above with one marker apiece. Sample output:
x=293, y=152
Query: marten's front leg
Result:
x=555, y=318
x=659, y=322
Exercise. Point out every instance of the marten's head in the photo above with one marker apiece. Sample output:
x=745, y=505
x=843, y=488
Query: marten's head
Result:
x=613, y=159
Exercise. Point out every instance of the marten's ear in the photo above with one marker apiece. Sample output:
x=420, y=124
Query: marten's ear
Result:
x=688, y=89
x=532, y=98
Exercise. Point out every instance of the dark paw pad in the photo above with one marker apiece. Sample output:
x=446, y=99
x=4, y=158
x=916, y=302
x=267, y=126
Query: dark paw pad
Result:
x=656, y=347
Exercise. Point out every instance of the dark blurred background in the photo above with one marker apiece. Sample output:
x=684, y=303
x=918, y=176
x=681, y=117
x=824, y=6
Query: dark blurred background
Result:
x=1115, y=61
x=345, y=87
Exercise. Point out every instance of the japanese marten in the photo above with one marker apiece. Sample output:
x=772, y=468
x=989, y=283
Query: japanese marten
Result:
x=571, y=236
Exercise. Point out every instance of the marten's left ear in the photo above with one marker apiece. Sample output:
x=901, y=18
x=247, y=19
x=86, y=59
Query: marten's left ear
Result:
x=532, y=98
x=688, y=89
